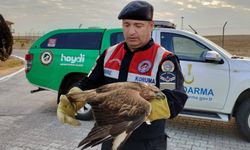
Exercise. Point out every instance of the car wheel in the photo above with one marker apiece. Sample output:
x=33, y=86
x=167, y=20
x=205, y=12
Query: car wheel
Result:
x=243, y=118
x=85, y=113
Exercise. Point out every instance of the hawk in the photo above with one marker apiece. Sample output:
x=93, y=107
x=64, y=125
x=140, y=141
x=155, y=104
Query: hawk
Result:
x=118, y=109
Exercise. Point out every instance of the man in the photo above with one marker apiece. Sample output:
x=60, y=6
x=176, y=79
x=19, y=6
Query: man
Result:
x=139, y=59
x=6, y=40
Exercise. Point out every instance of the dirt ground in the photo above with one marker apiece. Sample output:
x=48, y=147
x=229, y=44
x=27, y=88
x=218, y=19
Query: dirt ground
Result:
x=11, y=65
x=235, y=44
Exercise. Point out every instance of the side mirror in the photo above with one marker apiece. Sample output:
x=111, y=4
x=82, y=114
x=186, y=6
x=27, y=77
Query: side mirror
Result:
x=213, y=56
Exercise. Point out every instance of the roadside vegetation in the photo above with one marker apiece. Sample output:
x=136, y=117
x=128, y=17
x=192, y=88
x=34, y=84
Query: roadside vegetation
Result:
x=11, y=65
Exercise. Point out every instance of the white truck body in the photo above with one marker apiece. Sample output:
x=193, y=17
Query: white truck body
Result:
x=217, y=83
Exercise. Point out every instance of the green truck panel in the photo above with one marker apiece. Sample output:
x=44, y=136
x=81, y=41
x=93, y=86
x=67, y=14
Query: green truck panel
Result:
x=68, y=51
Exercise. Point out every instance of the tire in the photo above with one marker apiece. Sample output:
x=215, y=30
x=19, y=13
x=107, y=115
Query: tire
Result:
x=84, y=113
x=243, y=118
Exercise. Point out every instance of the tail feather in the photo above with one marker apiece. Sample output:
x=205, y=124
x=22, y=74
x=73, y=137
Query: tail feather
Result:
x=96, y=142
x=97, y=135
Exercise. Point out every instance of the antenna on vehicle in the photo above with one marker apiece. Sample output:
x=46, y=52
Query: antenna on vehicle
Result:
x=193, y=29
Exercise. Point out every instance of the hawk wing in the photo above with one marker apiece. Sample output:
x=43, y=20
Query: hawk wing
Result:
x=119, y=85
x=85, y=95
x=117, y=113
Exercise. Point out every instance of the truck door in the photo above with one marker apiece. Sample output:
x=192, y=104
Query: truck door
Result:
x=206, y=83
x=70, y=51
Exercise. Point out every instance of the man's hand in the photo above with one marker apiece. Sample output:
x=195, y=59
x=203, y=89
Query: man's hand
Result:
x=160, y=110
x=66, y=110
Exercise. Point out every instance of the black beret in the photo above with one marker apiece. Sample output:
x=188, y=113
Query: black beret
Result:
x=137, y=10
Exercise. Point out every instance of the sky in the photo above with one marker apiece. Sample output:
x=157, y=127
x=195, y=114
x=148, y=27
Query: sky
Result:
x=206, y=16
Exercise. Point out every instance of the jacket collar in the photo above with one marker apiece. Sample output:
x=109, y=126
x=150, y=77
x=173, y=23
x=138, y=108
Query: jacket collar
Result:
x=145, y=47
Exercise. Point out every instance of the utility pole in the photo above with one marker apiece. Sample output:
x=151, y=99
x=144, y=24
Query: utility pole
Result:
x=80, y=25
x=182, y=22
x=223, y=32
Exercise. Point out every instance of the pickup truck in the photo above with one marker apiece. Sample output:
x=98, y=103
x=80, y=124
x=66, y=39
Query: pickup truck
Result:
x=217, y=83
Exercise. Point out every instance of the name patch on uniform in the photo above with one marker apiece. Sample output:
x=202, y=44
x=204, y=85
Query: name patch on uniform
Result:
x=144, y=66
x=144, y=79
x=111, y=73
x=107, y=72
x=167, y=66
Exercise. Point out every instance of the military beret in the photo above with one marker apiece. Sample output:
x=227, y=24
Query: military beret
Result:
x=137, y=10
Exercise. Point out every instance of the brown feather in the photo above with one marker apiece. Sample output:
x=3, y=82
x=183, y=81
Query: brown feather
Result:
x=81, y=96
x=118, y=109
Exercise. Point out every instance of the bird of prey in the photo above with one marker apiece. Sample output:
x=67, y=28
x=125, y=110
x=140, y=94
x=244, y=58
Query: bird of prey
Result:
x=118, y=109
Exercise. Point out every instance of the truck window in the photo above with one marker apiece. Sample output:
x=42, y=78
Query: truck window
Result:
x=184, y=47
x=83, y=40
x=116, y=38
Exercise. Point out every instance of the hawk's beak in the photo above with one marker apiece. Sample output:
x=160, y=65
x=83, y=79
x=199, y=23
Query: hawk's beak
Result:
x=160, y=95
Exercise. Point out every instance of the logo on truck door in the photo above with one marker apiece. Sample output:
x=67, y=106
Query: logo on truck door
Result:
x=189, y=78
x=46, y=57
x=72, y=60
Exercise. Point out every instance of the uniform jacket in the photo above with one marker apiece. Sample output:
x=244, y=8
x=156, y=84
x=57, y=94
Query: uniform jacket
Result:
x=150, y=64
